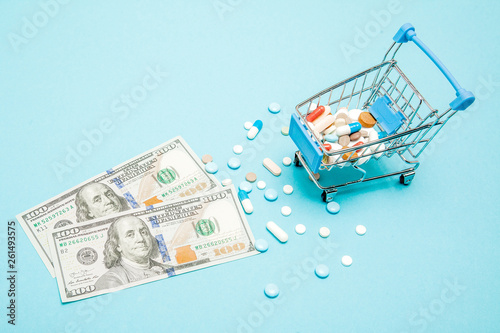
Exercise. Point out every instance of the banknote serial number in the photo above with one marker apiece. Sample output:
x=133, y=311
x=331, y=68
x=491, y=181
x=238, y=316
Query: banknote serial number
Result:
x=215, y=243
x=53, y=216
x=180, y=187
x=78, y=241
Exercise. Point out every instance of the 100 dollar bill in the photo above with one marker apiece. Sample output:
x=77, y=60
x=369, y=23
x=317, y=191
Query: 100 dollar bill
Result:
x=145, y=245
x=167, y=172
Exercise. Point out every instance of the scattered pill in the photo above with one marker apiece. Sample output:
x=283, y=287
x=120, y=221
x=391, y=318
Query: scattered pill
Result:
x=366, y=120
x=271, y=166
x=245, y=186
x=364, y=132
x=271, y=290
x=354, y=114
x=234, y=163
x=211, y=167
x=360, y=230
x=255, y=129
x=227, y=182
x=288, y=189
x=346, y=261
x=322, y=271
x=316, y=176
x=261, y=184
x=271, y=194
x=247, y=125
x=315, y=114
x=287, y=161
x=206, y=159
x=245, y=201
x=344, y=140
x=261, y=245
x=237, y=149
x=274, y=108
x=300, y=229
x=286, y=211
x=324, y=232
x=251, y=177
x=348, y=129
x=332, y=207
x=327, y=146
x=277, y=232
x=355, y=136
x=285, y=130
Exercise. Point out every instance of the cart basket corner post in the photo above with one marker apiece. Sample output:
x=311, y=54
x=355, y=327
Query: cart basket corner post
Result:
x=405, y=118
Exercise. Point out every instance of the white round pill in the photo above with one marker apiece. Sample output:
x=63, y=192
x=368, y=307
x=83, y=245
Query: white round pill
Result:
x=286, y=211
x=248, y=125
x=287, y=161
x=288, y=189
x=274, y=108
x=300, y=229
x=261, y=184
x=360, y=230
x=227, y=182
x=346, y=261
x=237, y=149
x=324, y=232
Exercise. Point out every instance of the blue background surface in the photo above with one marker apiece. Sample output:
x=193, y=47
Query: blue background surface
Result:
x=222, y=66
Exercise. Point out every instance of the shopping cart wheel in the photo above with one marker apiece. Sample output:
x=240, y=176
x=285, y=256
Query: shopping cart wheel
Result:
x=406, y=178
x=328, y=195
x=296, y=160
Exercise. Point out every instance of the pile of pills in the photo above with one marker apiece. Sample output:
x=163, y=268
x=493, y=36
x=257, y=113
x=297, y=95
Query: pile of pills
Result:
x=345, y=129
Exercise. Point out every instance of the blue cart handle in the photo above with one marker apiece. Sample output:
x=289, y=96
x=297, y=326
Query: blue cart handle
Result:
x=464, y=97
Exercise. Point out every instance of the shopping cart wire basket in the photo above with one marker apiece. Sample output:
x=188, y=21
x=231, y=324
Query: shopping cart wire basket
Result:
x=406, y=122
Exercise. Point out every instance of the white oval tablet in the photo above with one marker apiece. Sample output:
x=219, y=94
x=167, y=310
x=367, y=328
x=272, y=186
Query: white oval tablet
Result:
x=286, y=211
x=277, y=232
x=271, y=166
x=248, y=125
x=346, y=261
x=300, y=229
x=261, y=184
x=361, y=230
x=288, y=189
x=324, y=232
x=227, y=182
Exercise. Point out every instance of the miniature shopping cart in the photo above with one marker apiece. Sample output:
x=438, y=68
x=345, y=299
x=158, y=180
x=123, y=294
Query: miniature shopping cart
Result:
x=402, y=114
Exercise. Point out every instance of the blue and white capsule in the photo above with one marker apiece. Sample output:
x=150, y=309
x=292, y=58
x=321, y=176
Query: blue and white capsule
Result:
x=245, y=201
x=254, y=130
x=348, y=129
